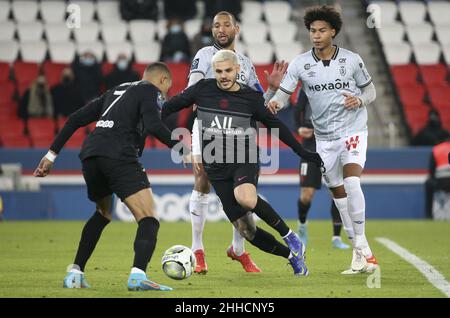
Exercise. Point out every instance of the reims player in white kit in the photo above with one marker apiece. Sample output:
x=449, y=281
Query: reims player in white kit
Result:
x=338, y=88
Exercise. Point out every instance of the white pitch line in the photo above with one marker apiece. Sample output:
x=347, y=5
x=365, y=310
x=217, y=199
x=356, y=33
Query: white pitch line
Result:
x=434, y=277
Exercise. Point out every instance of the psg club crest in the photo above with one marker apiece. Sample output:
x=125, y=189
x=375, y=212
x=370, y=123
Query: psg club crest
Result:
x=223, y=103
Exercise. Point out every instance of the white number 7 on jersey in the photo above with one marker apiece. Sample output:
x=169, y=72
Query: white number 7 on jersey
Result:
x=120, y=93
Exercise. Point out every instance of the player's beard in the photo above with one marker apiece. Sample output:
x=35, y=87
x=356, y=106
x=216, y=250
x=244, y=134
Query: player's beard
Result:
x=231, y=86
x=227, y=43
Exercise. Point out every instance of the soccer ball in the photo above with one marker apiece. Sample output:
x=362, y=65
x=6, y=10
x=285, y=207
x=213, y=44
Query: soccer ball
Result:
x=178, y=262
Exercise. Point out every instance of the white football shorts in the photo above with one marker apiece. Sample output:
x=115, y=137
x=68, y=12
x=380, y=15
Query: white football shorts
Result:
x=337, y=153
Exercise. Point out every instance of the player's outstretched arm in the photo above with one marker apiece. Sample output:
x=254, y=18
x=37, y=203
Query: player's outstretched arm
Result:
x=82, y=117
x=183, y=100
x=285, y=135
x=155, y=126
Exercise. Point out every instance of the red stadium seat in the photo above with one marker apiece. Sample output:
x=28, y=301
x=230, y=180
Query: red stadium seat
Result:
x=411, y=94
x=180, y=72
x=4, y=72
x=7, y=90
x=433, y=74
x=405, y=74
x=41, y=141
x=53, y=72
x=140, y=68
x=107, y=68
x=12, y=126
x=25, y=73
x=417, y=116
x=259, y=69
x=41, y=127
x=9, y=110
x=17, y=141
x=440, y=95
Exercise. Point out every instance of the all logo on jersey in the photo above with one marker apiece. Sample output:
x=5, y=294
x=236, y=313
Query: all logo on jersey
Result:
x=194, y=64
x=352, y=143
x=342, y=60
x=225, y=124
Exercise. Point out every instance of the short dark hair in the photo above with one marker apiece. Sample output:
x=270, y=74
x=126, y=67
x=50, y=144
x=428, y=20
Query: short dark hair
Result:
x=227, y=13
x=324, y=13
x=159, y=67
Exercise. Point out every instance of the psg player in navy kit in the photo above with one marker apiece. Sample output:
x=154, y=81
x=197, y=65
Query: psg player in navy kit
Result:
x=125, y=115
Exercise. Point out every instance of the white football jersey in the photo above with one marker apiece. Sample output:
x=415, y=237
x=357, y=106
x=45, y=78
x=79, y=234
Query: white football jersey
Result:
x=324, y=84
x=202, y=64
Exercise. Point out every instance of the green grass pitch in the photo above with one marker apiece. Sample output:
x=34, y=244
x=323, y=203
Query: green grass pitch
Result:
x=34, y=256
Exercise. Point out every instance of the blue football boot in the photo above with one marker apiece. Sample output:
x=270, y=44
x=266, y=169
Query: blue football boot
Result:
x=298, y=254
x=337, y=243
x=75, y=280
x=140, y=282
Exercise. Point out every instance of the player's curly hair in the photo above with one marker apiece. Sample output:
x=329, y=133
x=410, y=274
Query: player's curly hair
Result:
x=323, y=13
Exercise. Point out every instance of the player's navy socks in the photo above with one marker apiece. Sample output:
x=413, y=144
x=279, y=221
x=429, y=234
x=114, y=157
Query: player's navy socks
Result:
x=89, y=238
x=145, y=242
x=265, y=211
x=302, y=211
x=267, y=243
x=336, y=217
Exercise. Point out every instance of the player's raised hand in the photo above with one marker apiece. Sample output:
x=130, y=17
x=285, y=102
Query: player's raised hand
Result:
x=278, y=71
x=43, y=168
x=273, y=107
x=350, y=101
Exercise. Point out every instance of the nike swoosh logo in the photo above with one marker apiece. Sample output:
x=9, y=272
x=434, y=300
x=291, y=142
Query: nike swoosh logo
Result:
x=242, y=178
x=294, y=253
x=193, y=213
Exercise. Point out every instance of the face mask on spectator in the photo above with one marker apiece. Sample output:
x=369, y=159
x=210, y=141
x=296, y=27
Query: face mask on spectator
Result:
x=176, y=28
x=122, y=64
x=87, y=60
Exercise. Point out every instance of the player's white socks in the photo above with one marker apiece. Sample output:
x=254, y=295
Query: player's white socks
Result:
x=238, y=242
x=357, y=212
x=198, y=207
x=76, y=271
x=342, y=207
x=356, y=204
x=136, y=270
